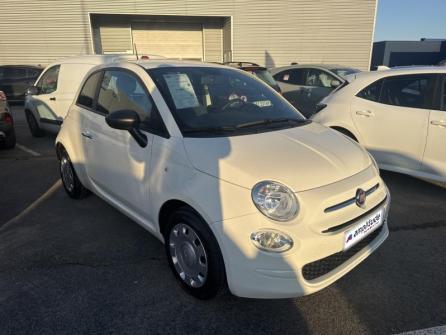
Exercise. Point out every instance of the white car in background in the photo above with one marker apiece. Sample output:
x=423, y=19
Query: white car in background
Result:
x=399, y=115
x=48, y=101
x=241, y=188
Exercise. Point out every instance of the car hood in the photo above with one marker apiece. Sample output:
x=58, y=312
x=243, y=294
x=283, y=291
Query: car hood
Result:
x=302, y=158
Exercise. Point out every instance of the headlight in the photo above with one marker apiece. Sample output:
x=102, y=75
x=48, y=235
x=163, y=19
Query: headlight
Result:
x=271, y=240
x=275, y=200
x=375, y=164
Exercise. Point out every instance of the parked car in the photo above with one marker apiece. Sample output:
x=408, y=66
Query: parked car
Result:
x=47, y=102
x=15, y=79
x=240, y=187
x=7, y=132
x=259, y=71
x=397, y=114
x=305, y=85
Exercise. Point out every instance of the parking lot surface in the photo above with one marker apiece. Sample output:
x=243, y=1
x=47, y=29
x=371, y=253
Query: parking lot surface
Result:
x=82, y=267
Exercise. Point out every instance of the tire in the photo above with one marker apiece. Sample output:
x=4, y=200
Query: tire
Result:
x=198, y=265
x=34, y=127
x=9, y=141
x=70, y=181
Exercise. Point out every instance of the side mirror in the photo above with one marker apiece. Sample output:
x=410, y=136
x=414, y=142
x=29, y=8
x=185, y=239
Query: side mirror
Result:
x=335, y=83
x=32, y=90
x=127, y=120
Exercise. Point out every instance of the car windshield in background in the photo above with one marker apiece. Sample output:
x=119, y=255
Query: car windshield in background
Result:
x=210, y=102
x=345, y=72
x=264, y=75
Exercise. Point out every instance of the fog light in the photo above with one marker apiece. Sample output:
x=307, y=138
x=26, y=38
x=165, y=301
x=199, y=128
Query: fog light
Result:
x=272, y=240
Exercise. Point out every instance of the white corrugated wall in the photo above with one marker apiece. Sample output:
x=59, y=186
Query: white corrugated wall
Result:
x=267, y=32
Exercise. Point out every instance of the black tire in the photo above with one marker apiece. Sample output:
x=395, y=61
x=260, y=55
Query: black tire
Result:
x=34, y=127
x=215, y=279
x=70, y=181
x=9, y=141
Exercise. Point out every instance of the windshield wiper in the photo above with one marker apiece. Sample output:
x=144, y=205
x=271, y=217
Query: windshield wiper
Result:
x=267, y=122
x=224, y=129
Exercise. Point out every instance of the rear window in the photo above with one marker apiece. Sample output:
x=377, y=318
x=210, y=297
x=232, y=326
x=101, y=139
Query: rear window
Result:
x=12, y=73
x=371, y=92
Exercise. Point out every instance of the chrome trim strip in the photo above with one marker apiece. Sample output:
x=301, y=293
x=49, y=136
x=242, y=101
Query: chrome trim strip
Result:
x=349, y=201
x=342, y=226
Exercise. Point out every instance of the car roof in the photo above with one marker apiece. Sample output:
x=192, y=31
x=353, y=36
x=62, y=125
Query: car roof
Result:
x=398, y=71
x=157, y=63
x=318, y=66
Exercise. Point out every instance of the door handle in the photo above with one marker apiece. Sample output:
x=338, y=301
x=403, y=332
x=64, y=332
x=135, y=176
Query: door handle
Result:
x=365, y=113
x=53, y=98
x=87, y=135
x=440, y=123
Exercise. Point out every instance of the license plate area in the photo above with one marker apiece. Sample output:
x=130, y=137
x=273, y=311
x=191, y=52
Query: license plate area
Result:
x=363, y=228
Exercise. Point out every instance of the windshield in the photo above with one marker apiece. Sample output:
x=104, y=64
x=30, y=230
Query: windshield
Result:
x=208, y=102
x=345, y=72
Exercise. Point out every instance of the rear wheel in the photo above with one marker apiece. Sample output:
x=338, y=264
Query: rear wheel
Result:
x=10, y=140
x=34, y=127
x=193, y=254
x=71, y=182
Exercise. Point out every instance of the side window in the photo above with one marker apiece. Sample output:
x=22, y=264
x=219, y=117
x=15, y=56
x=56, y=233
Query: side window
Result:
x=121, y=90
x=283, y=76
x=292, y=76
x=408, y=91
x=371, y=92
x=318, y=78
x=48, y=82
x=88, y=92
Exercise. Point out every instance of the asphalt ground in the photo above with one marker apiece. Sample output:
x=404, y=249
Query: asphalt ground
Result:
x=81, y=267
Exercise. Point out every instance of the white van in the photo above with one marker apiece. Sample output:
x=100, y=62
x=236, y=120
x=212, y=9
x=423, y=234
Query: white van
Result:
x=47, y=102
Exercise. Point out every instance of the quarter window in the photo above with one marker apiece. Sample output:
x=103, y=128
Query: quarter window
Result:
x=120, y=90
x=88, y=92
x=48, y=82
x=371, y=92
x=408, y=91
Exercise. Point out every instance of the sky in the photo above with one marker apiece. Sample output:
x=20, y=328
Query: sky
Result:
x=410, y=19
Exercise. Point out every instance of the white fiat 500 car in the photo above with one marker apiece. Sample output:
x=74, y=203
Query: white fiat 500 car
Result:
x=397, y=114
x=241, y=188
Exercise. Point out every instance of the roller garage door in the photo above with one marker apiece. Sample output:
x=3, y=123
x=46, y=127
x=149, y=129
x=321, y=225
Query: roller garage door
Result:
x=173, y=39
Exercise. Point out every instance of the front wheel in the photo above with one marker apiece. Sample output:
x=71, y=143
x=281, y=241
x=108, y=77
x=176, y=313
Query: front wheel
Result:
x=194, y=255
x=71, y=182
x=34, y=127
x=10, y=140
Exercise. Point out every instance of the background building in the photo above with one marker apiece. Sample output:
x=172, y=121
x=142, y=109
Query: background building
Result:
x=273, y=33
x=405, y=53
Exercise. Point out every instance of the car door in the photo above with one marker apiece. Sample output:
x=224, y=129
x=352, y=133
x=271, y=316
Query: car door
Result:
x=116, y=164
x=45, y=103
x=391, y=116
x=291, y=82
x=434, y=159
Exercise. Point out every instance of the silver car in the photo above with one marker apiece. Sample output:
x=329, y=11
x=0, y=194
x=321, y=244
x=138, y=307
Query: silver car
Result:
x=305, y=85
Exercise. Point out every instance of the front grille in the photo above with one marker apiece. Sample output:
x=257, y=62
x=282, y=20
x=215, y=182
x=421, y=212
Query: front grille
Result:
x=323, y=266
x=349, y=201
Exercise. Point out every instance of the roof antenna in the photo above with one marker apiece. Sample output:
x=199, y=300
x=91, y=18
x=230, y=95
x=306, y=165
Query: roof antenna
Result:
x=135, y=51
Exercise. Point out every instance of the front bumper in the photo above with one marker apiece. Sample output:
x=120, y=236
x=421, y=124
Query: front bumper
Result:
x=254, y=273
